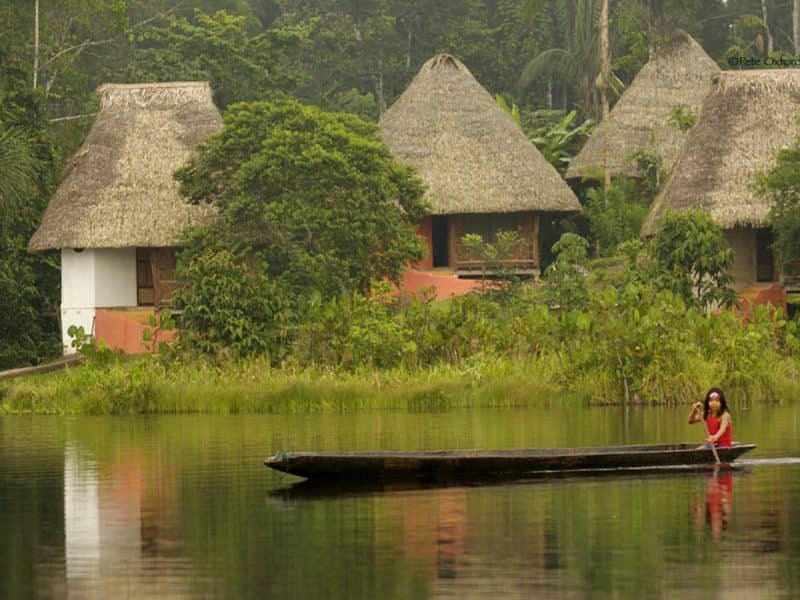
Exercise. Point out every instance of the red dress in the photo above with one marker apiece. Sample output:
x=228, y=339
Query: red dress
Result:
x=713, y=427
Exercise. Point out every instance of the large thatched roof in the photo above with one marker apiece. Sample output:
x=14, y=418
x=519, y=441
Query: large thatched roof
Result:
x=746, y=118
x=679, y=74
x=117, y=191
x=471, y=154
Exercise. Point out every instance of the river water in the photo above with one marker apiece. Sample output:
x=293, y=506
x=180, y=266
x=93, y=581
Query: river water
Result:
x=182, y=506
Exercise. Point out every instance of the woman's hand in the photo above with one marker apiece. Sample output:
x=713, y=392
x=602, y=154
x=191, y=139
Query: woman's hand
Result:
x=694, y=415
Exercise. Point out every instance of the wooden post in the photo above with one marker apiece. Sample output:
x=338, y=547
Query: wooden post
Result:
x=452, y=241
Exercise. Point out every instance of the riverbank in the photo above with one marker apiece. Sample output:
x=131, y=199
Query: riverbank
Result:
x=151, y=384
x=147, y=385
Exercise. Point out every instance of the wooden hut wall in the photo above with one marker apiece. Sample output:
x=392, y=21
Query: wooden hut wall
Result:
x=425, y=231
x=155, y=276
x=753, y=261
x=526, y=224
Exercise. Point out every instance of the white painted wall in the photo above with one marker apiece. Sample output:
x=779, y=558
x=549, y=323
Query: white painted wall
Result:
x=94, y=278
x=115, y=277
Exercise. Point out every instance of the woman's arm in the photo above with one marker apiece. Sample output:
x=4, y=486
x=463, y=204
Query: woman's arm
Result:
x=694, y=416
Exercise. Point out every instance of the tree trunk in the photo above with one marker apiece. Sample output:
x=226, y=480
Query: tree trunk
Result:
x=408, y=49
x=796, y=26
x=378, y=78
x=605, y=70
x=35, y=44
x=765, y=19
x=550, y=90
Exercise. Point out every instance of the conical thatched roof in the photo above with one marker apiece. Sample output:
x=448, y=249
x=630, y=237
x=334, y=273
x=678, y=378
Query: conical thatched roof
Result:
x=679, y=74
x=117, y=191
x=471, y=154
x=746, y=119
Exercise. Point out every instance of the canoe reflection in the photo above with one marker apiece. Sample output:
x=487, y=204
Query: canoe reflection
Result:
x=309, y=489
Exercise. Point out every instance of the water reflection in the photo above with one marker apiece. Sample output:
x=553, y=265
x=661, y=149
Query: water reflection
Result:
x=81, y=515
x=714, y=514
x=119, y=531
x=549, y=534
x=175, y=507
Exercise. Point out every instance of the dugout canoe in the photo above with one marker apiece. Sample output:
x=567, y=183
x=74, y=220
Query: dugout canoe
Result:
x=453, y=464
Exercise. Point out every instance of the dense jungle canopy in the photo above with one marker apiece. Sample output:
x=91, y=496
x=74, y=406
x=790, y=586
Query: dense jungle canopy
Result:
x=542, y=56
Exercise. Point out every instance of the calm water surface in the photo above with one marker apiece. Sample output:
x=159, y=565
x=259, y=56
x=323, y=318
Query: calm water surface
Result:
x=175, y=507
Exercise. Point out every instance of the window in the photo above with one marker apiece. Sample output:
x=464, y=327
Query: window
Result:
x=145, y=290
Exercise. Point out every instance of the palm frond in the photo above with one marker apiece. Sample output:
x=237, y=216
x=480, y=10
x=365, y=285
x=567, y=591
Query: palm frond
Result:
x=548, y=62
x=17, y=166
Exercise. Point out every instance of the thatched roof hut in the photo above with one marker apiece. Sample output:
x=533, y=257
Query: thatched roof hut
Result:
x=117, y=191
x=678, y=75
x=472, y=155
x=746, y=118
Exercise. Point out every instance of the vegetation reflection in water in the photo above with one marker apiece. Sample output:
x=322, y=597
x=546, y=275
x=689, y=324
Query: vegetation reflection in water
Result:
x=183, y=506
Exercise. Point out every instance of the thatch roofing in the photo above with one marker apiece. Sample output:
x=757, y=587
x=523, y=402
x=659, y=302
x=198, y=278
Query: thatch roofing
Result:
x=472, y=155
x=745, y=120
x=117, y=190
x=678, y=74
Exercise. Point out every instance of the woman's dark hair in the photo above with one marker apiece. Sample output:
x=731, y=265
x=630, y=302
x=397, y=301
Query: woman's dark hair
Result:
x=723, y=405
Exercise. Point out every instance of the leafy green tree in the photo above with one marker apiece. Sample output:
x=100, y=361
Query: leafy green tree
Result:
x=217, y=48
x=28, y=283
x=566, y=276
x=230, y=305
x=583, y=56
x=781, y=184
x=69, y=31
x=616, y=215
x=577, y=57
x=318, y=192
x=691, y=257
x=352, y=49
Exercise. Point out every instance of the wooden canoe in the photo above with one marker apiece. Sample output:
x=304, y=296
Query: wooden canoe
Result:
x=452, y=464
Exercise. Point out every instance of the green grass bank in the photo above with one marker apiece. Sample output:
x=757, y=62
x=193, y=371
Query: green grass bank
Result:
x=149, y=385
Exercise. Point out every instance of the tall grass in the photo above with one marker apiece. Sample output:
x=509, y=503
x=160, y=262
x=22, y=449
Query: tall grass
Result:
x=152, y=385
x=147, y=385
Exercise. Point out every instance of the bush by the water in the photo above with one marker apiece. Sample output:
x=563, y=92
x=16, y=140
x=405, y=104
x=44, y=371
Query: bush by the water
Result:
x=650, y=327
x=626, y=341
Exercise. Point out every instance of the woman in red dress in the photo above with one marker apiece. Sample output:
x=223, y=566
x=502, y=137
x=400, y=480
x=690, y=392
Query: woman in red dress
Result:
x=717, y=418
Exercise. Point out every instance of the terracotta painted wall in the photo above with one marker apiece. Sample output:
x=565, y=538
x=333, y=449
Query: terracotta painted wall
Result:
x=773, y=294
x=124, y=332
x=425, y=230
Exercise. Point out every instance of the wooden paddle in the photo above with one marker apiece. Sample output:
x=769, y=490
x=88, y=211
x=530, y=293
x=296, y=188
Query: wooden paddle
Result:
x=713, y=447
x=705, y=428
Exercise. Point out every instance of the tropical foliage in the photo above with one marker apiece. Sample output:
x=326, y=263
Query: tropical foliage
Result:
x=692, y=259
x=607, y=335
x=354, y=57
x=319, y=192
x=28, y=283
x=311, y=201
x=782, y=185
